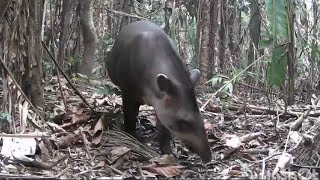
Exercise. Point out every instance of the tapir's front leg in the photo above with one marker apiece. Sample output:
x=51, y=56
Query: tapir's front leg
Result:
x=130, y=113
x=164, y=138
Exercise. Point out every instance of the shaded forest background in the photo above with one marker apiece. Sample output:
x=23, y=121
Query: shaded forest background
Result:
x=258, y=46
x=259, y=61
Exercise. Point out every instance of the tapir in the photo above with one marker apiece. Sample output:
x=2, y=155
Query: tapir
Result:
x=145, y=65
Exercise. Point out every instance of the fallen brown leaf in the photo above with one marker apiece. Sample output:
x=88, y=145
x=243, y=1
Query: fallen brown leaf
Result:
x=164, y=160
x=209, y=126
x=76, y=118
x=249, y=137
x=167, y=171
x=56, y=127
x=118, y=152
x=232, y=171
x=97, y=132
x=100, y=164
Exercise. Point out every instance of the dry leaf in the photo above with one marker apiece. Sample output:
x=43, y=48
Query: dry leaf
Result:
x=168, y=171
x=56, y=127
x=97, y=132
x=284, y=161
x=209, y=126
x=295, y=137
x=102, y=101
x=118, y=152
x=148, y=174
x=164, y=160
x=233, y=142
x=232, y=171
x=100, y=164
x=249, y=137
x=79, y=117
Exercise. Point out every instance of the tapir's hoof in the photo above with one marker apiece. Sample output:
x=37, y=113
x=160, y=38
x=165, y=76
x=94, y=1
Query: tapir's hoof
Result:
x=165, y=150
x=206, y=158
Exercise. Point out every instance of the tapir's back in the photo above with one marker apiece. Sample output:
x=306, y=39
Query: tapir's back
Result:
x=138, y=47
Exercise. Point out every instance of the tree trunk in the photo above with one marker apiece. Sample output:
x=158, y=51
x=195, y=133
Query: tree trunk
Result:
x=222, y=36
x=36, y=9
x=254, y=29
x=195, y=60
x=291, y=54
x=213, y=41
x=89, y=36
x=64, y=24
x=313, y=49
x=167, y=15
x=204, y=47
x=3, y=6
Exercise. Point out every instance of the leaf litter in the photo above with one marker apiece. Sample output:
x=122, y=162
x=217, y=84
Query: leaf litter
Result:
x=248, y=140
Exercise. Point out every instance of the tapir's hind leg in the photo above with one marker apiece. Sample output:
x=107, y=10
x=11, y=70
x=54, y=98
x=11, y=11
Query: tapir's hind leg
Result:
x=130, y=113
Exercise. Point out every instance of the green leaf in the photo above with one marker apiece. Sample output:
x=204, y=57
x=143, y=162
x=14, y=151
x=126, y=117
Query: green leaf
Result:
x=6, y=116
x=216, y=80
x=314, y=50
x=277, y=67
x=106, y=91
x=279, y=21
x=265, y=43
x=228, y=88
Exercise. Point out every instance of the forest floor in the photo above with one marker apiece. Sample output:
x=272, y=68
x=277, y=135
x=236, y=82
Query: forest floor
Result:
x=250, y=138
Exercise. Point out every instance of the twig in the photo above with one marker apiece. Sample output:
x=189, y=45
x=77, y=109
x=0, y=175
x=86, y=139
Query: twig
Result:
x=141, y=172
x=65, y=76
x=116, y=170
x=8, y=176
x=85, y=144
x=61, y=91
x=25, y=135
x=6, y=69
x=63, y=172
x=298, y=123
x=4, y=11
x=126, y=14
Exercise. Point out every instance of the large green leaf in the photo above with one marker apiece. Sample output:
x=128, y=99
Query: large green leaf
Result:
x=277, y=67
x=278, y=15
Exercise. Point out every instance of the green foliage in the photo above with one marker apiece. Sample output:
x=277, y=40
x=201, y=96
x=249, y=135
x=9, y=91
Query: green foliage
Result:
x=264, y=43
x=219, y=81
x=277, y=67
x=106, y=91
x=278, y=16
x=5, y=116
x=279, y=25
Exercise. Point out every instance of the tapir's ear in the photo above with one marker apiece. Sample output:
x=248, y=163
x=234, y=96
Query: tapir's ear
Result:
x=164, y=83
x=195, y=76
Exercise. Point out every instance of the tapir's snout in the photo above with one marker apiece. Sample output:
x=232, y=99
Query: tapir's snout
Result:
x=197, y=142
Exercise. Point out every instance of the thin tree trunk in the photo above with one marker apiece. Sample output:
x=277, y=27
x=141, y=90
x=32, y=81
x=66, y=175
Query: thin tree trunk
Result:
x=35, y=52
x=222, y=36
x=196, y=58
x=89, y=36
x=291, y=55
x=314, y=45
x=254, y=29
x=64, y=24
x=3, y=6
x=213, y=40
x=204, y=48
